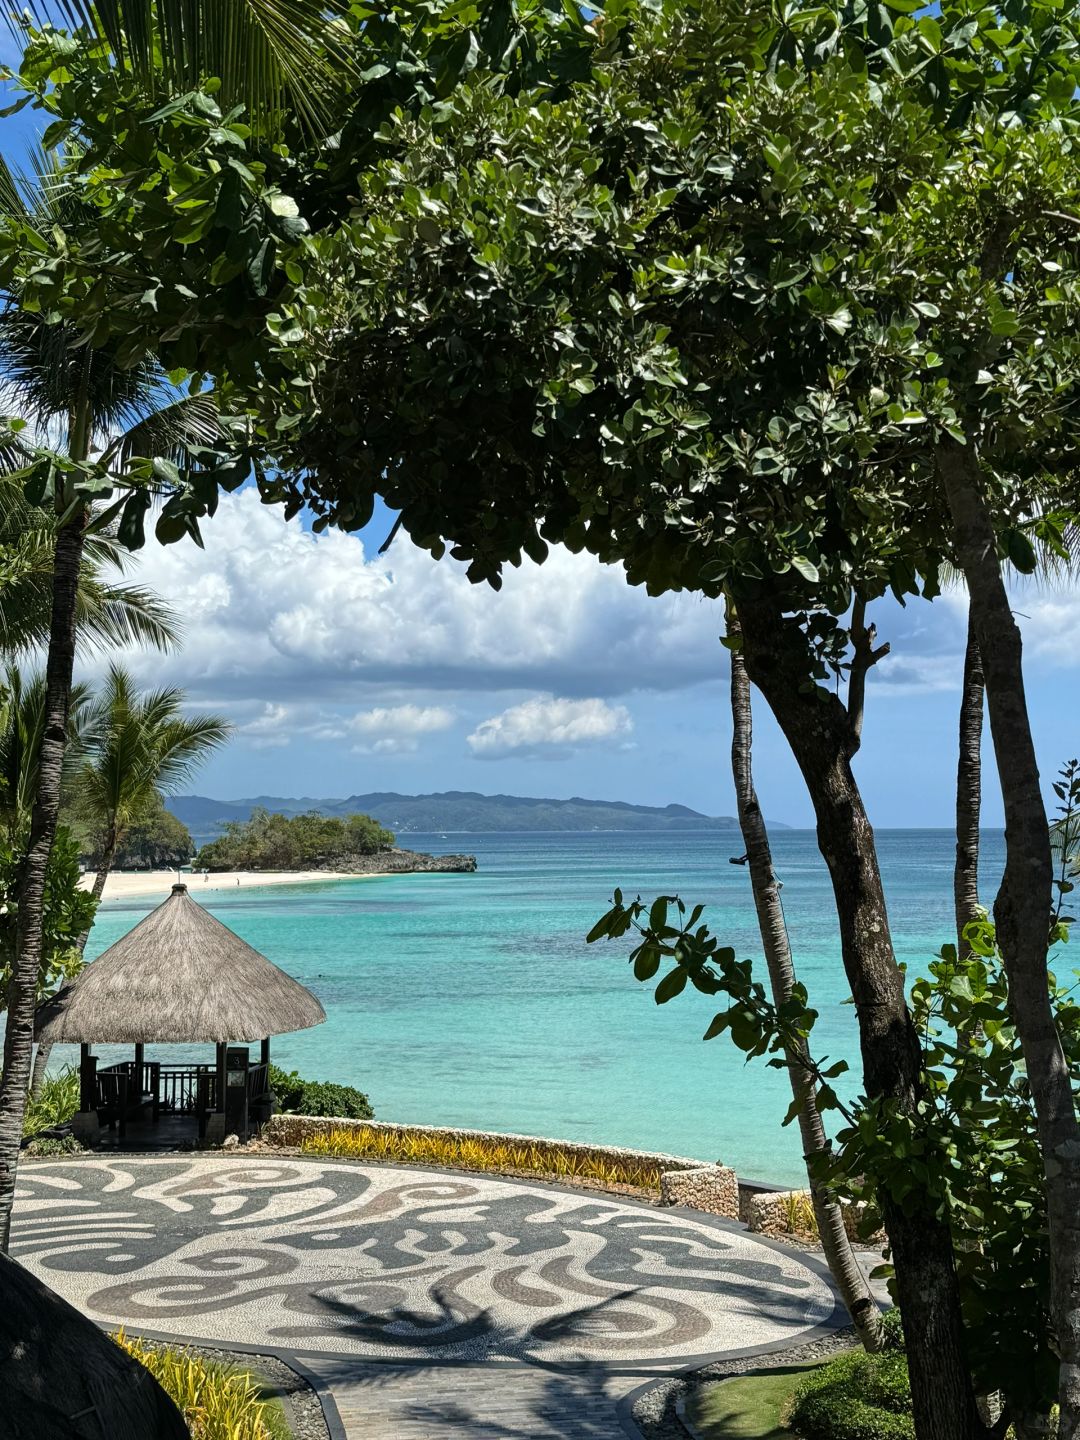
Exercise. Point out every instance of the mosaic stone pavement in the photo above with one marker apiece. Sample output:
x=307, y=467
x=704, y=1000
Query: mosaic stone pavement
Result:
x=360, y=1267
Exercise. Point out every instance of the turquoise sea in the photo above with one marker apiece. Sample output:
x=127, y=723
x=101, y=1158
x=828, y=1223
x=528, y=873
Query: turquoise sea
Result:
x=473, y=1000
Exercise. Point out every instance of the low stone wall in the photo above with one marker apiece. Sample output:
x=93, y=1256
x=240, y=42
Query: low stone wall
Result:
x=711, y=1188
x=293, y=1130
x=790, y=1212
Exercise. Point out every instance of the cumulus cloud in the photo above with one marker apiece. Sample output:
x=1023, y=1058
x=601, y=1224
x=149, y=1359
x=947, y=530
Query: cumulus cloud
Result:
x=548, y=728
x=395, y=729
x=274, y=613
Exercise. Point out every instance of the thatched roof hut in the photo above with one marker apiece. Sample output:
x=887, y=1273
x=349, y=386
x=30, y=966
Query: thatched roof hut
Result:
x=179, y=976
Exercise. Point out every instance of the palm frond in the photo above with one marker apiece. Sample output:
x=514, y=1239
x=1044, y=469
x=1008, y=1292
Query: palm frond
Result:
x=117, y=615
x=168, y=431
x=270, y=55
x=109, y=613
x=138, y=744
x=22, y=727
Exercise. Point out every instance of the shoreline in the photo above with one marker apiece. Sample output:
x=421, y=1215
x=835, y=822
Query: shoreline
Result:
x=132, y=884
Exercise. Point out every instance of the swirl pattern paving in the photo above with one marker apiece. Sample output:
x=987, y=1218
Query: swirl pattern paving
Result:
x=401, y=1264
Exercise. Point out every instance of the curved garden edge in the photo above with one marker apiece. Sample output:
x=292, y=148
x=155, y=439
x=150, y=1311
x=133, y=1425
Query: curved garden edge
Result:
x=711, y=1188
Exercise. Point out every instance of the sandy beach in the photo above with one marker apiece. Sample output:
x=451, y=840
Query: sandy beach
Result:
x=124, y=885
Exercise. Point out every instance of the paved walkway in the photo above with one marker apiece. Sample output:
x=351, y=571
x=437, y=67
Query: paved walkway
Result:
x=434, y=1305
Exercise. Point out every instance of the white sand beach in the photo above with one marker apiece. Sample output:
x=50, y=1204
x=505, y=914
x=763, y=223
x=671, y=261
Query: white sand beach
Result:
x=127, y=884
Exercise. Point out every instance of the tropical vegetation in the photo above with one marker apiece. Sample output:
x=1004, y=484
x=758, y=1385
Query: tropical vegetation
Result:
x=778, y=306
x=467, y=1152
x=137, y=744
x=295, y=1095
x=297, y=842
x=217, y=1401
x=157, y=840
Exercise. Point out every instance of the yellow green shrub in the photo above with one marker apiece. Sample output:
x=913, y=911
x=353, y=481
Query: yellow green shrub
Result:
x=218, y=1403
x=454, y=1152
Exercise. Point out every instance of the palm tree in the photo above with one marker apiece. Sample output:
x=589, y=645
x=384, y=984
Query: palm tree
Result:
x=61, y=385
x=1054, y=562
x=137, y=745
x=22, y=728
x=110, y=611
x=839, y=1255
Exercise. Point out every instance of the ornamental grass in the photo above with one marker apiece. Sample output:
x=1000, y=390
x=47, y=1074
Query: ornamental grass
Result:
x=217, y=1403
x=470, y=1153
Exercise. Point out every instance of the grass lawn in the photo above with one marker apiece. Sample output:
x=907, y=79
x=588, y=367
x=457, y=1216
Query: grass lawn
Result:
x=746, y=1408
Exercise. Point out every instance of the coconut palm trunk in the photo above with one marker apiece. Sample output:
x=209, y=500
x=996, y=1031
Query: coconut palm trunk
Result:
x=22, y=990
x=1024, y=903
x=968, y=793
x=839, y=1255
x=44, y=1052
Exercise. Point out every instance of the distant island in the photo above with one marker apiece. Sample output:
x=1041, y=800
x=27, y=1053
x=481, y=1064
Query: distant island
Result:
x=454, y=810
x=345, y=844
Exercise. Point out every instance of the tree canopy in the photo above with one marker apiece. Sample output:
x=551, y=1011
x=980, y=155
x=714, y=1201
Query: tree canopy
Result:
x=299, y=842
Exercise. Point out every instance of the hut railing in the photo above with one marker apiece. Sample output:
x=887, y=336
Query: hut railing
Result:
x=188, y=1089
x=258, y=1080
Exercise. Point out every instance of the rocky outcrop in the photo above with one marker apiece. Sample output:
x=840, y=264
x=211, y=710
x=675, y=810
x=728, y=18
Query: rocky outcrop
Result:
x=404, y=862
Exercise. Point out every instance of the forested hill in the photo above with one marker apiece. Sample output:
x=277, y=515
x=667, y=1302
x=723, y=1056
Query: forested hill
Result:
x=455, y=810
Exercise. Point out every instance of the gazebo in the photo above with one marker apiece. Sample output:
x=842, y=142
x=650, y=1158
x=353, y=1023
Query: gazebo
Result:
x=179, y=977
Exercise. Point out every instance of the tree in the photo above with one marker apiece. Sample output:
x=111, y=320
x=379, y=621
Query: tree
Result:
x=110, y=612
x=129, y=413
x=134, y=744
x=717, y=316
x=158, y=840
x=137, y=744
x=843, y=1265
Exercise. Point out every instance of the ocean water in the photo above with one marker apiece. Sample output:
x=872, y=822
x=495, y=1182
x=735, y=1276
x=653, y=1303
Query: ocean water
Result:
x=473, y=1000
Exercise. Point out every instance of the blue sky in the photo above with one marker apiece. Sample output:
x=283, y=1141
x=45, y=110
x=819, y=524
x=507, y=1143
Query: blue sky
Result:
x=345, y=673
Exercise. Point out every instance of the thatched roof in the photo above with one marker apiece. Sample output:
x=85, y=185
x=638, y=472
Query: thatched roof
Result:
x=178, y=976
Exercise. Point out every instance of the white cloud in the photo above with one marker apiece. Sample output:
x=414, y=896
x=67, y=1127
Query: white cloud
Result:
x=395, y=729
x=275, y=614
x=546, y=727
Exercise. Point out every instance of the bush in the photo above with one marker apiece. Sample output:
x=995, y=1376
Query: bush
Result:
x=54, y=1145
x=856, y=1397
x=297, y=1096
x=57, y=1103
x=467, y=1152
x=218, y=1403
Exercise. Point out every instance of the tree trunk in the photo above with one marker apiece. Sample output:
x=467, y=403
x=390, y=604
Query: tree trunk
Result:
x=41, y=1058
x=968, y=794
x=818, y=729
x=845, y=1269
x=37, y=1075
x=22, y=992
x=1024, y=904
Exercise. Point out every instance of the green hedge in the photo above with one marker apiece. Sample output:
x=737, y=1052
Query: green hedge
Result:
x=857, y=1396
x=297, y=1096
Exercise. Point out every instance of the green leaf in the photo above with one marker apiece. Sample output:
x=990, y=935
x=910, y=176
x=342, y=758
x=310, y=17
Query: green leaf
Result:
x=673, y=983
x=1020, y=551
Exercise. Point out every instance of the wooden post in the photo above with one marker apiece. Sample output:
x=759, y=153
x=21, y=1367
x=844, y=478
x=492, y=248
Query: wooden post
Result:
x=221, y=1051
x=87, y=1079
x=264, y=1053
x=139, y=1052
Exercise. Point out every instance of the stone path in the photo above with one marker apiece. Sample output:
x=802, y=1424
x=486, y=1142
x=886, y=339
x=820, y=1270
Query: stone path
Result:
x=432, y=1304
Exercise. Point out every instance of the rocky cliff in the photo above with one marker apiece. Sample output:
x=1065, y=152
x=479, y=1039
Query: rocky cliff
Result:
x=404, y=862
